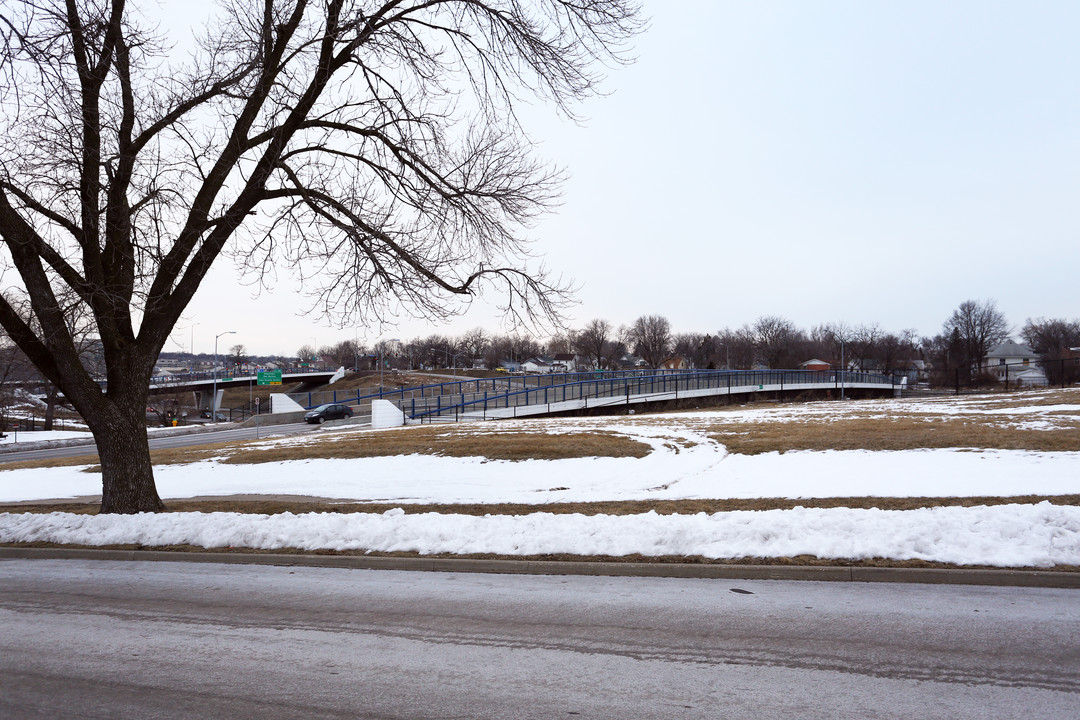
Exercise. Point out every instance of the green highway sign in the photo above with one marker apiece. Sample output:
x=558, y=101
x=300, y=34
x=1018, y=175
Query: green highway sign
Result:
x=269, y=377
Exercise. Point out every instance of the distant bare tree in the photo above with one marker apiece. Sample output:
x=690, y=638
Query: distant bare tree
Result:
x=776, y=340
x=13, y=367
x=474, y=344
x=830, y=342
x=438, y=351
x=897, y=352
x=345, y=353
x=692, y=347
x=978, y=326
x=560, y=344
x=306, y=355
x=597, y=342
x=863, y=346
x=1053, y=340
x=737, y=347
x=650, y=337
x=238, y=354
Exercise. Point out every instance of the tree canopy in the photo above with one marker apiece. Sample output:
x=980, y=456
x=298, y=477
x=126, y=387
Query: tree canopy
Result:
x=371, y=147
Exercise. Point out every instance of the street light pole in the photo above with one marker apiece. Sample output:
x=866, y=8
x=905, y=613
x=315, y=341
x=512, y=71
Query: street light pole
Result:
x=192, y=348
x=841, y=368
x=382, y=355
x=213, y=400
x=451, y=358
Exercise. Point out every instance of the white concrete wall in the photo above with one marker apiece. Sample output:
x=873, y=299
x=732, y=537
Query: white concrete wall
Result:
x=282, y=403
x=385, y=414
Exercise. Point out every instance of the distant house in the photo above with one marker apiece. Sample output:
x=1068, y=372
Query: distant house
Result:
x=675, y=362
x=1033, y=377
x=1009, y=359
x=538, y=365
x=815, y=364
x=914, y=370
x=565, y=362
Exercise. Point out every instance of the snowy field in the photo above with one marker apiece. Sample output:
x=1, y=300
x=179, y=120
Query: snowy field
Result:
x=42, y=436
x=685, y=463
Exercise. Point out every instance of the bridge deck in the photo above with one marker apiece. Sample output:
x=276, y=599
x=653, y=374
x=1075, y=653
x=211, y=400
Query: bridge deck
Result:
x=520, y=396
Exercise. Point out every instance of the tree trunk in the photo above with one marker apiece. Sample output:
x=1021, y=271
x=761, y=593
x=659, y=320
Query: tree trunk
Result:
x=127, y=477
x=50, y=405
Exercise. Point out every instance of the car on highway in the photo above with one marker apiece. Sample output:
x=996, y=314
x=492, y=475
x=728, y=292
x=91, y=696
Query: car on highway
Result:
x=329, y=411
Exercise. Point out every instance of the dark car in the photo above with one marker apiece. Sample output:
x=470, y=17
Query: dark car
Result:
x=330, y=411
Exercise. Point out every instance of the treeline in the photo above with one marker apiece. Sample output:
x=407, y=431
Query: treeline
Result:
x=957, y=353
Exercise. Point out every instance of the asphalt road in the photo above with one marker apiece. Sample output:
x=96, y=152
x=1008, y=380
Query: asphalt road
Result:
x=164, y=441
x=86, y=639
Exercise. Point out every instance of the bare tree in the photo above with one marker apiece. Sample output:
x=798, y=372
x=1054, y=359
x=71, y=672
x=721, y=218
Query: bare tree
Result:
x=650, y=336
x=978, y=326
x=13, y=368
x=596, y=341
x=371, y=146
x=561, y=343
x=694, y=347
x=1053, y=340
x=737, y=347
x=438, y=351
x=238, y=354
x=830, y=342
x=897, y=352
x=863, y=344
x=474, y=344
x=776, y=340
x=345, y=353
x=306, y=354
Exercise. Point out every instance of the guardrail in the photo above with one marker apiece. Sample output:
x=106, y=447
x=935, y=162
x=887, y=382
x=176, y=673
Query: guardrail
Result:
x=520, y=395
x=641, y=388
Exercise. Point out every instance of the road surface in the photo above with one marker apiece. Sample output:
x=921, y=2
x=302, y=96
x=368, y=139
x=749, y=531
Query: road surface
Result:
x=159, y=442
x=86, y=639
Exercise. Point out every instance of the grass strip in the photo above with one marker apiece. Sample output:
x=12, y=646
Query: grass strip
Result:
x=797, y=560
x=611, y=507
x=900, y=433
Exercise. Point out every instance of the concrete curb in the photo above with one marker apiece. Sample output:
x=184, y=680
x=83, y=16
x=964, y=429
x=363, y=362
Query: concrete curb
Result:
x=1016, y=578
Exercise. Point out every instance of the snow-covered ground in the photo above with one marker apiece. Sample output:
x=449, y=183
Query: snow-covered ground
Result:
x=684, y=463
x=13, y=437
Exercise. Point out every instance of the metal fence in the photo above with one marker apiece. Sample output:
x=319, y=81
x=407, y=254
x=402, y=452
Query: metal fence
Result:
x=493, y=397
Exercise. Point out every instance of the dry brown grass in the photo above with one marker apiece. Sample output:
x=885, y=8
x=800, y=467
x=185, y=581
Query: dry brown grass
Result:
x=1038, y=398
x=447, y=442
x=902, y=433
x=610, y=507
x=453, y=442
x=796, y=560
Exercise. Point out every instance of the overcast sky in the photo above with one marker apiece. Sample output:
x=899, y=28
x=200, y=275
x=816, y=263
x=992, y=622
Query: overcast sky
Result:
x=858, y=162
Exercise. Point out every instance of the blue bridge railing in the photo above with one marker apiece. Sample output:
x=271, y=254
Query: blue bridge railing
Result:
x=490, y=397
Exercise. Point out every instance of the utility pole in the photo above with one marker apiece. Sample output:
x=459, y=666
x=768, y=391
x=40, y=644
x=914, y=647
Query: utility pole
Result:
x=842, y=367
x=213, y=401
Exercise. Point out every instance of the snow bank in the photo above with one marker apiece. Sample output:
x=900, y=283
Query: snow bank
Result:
x=705, y=471
x=1040, y=535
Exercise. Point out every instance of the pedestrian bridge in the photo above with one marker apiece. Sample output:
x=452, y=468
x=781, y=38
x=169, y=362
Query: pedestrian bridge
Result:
x=534, y=395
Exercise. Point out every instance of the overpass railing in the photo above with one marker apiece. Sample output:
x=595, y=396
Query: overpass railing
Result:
x=488, y=397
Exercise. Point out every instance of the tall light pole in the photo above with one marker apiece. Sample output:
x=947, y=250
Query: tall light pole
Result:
x=213, y=401
x=192, y=347
x=382, y=351
x=841, y=368
x=452, y=359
